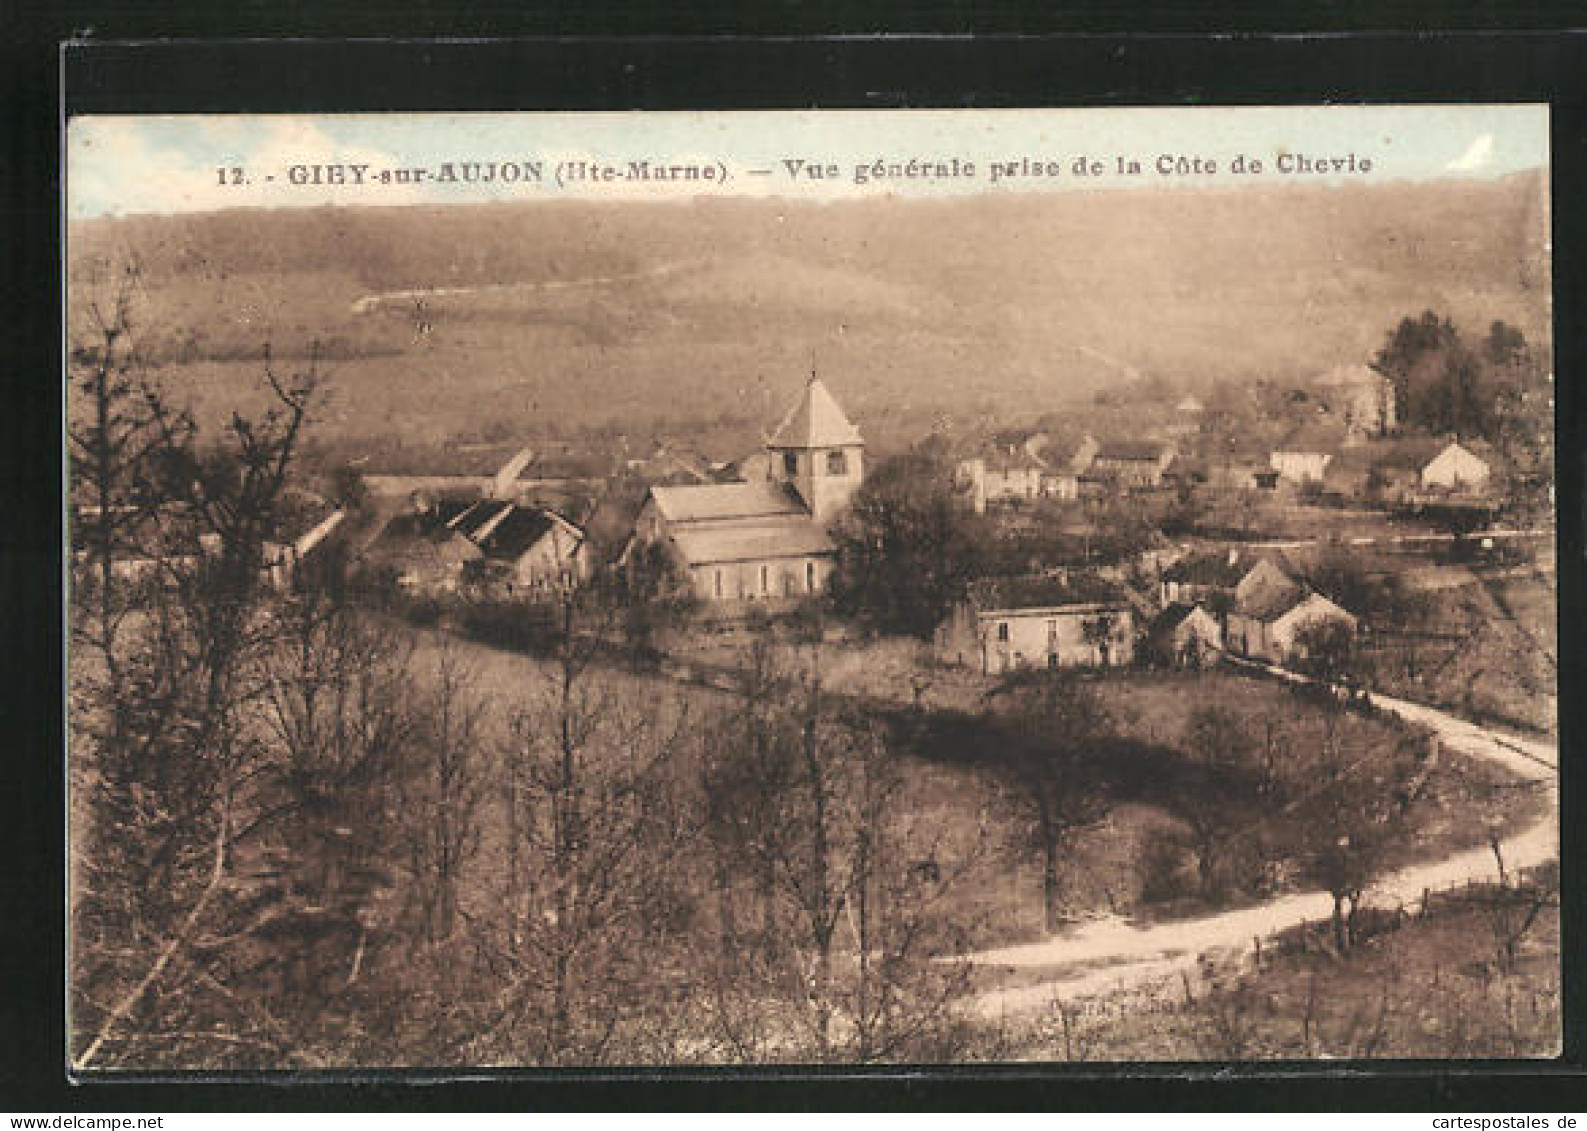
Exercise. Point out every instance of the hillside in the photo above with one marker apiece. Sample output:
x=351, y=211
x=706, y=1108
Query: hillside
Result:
x=554, y=317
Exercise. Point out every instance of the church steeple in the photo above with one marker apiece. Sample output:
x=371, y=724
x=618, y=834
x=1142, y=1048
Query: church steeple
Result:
x=818, y=451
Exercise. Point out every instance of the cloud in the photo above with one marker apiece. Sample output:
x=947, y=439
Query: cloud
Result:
x=1478, y=154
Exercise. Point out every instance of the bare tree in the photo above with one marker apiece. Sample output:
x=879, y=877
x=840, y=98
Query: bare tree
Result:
x=1048, y=735
x=442, y=788
x=1515, y=904
x=160, y=753
x=1349, y=812
x=1226, y=802
x=594, y=826
x=837, y=948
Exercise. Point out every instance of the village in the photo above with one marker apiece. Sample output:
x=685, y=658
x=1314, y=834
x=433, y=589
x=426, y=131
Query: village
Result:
x=1299, y=529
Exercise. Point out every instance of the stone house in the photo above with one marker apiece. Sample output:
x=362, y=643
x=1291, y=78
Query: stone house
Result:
x=1184, y=635
x=1130, y=464
x=1272, y=610
x=1046, y=621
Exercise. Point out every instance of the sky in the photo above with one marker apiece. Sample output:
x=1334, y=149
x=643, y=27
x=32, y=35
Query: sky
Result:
x=169, y=164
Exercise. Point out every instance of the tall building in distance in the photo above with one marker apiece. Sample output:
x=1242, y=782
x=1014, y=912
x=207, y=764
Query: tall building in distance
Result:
x=767, y=538
x=818, y=452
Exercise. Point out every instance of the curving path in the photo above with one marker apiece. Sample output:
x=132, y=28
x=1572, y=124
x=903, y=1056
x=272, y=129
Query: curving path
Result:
x=1110, y=955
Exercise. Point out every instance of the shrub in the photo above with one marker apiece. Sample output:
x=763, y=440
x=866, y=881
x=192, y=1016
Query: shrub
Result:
x=1167, y=868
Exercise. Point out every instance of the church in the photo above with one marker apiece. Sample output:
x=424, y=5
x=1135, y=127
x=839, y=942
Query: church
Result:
x=765, y=539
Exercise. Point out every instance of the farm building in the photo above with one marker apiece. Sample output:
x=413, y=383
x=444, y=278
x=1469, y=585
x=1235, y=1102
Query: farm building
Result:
x=1131, y=463
x=1006, y=475
x=1455, y=468
x=523, y=551
x=1184, y=635
x=1304, y=455
x=1051, y=621
x=1204, y=576
x=765, y=539
x=1271, y=614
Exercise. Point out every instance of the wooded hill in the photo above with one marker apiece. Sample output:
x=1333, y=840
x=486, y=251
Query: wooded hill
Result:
x=557, y=316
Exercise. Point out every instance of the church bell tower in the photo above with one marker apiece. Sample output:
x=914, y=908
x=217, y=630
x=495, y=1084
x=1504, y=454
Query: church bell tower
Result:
x=818, y=451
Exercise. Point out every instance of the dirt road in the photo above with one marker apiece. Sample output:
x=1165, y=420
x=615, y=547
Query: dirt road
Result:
x=1111, y=955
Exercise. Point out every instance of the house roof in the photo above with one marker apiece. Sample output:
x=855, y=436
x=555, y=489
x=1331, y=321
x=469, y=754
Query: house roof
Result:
x=1044, y=591
x=1140, y=450
x=704, y=502
x=1221, y=569
x=1172, y=617
x=815, y=421
x=1016, y=458
x=793, y=537
x=516, y=532
x=1271, y=603
x=1454, y=450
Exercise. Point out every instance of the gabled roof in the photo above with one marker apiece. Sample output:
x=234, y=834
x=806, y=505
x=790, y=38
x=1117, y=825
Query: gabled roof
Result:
x=1455, y=449
x=1017, y=458
x=703, y=502
x=1223, y=569
x=815, y=421
x=792, y=537
x=1044, y=591
x=516, y=532
x=1173, y=616
x=1271, y=604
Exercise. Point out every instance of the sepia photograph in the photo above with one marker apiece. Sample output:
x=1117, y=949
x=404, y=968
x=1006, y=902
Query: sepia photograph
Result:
x=815, y=588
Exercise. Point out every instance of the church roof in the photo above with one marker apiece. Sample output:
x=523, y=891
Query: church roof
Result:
x=815, y=422
x=703, y=502
x=794, y=537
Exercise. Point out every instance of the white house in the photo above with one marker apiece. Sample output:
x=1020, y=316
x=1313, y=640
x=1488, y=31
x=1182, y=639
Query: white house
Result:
x=1455, y=469
x=1048, y=621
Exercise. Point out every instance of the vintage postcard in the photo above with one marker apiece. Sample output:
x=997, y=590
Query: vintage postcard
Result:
x=842, y=588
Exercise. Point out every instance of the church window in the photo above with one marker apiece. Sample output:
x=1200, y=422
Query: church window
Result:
x=790, y=463
x=719, y=583
x=837, y=463
x=765, y=580
x=810, y=577
x=1002, y=631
